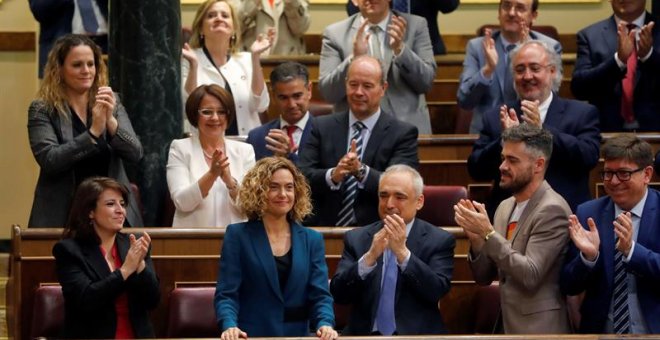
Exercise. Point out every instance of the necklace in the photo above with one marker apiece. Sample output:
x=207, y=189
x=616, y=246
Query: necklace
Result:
x=207, y=155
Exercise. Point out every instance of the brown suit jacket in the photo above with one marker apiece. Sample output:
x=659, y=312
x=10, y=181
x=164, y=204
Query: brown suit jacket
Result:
x=529, y=265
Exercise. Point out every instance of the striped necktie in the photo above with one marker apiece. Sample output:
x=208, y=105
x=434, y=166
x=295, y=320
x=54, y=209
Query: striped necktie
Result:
x=347, y=213
x=620, y=311
x=88, y=17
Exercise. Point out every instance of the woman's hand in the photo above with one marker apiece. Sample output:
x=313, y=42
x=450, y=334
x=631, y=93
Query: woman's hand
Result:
x=220, y=166
x=99, y=115
x=263, y=42
x=188, y=54
x=106, y=99
x=327, y=333
x=146, y=241
x=233, y=333
x=135, y=256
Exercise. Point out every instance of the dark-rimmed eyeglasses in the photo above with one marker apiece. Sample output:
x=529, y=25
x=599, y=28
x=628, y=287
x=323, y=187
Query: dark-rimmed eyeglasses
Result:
x=622, y=175
x=211, y=112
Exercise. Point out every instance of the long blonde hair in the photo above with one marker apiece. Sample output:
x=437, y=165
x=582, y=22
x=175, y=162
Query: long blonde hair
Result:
x=52, y=90
x=196, y=39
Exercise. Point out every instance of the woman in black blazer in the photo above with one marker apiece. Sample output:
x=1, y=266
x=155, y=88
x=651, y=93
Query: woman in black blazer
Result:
x=107, y=277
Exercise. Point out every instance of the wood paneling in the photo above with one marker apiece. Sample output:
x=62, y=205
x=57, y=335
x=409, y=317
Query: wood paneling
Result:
x=17, y=41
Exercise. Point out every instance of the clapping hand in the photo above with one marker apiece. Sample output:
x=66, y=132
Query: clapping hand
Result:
x=263, y=42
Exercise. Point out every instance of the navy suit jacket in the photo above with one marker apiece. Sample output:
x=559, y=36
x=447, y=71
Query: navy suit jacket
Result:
x=90, y=290
x=428, y=9
x=257, y=137
x=597, y=77
x=598, y=282
x=54, y=17
x=575, y=150
x=248, y=293
x=425, y=281
x=391, y=142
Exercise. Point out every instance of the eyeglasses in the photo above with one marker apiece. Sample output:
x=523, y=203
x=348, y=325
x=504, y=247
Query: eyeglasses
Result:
x=622, y=175
x=534, y=68
x=210, y=112
x=519, y=8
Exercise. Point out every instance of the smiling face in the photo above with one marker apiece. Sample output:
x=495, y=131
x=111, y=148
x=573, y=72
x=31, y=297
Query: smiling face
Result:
x=292, y=98
x=79, y=70
x=626, y=194
x=218, y=20
x=373, y=10
x=517, y=167
x=533, y=75
x=281, y=194
x=628, y=10
x=211, y=121
x=513, y=14
x=110, y=212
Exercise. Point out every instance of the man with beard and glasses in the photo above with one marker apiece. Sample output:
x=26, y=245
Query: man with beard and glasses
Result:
x=574, y=127
x=525, y=245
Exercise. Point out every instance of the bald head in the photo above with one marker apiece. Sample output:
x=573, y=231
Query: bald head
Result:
x=365, y=86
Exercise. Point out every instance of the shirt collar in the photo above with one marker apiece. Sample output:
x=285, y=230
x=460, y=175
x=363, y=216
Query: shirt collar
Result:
x=369, y=122
x=544, y=106
x=639, y=22
x=382, y=24
x=637, y=210
x=300, y=124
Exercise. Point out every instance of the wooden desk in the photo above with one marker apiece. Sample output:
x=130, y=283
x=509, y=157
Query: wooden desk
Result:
x=188, y=257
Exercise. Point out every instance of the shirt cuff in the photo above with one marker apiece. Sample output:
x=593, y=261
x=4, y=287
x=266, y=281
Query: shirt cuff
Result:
x=328, y=180
x=483, y=79
x=363, y=269
x=647, y=56
x=400, y=53
x=589, y=264
x=404, y=264
x=632, y=249
x=618, y=61
x=364, y=178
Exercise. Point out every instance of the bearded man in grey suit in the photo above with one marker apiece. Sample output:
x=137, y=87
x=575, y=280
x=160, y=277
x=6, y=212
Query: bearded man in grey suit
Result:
x=526, y=245
x=400, y=41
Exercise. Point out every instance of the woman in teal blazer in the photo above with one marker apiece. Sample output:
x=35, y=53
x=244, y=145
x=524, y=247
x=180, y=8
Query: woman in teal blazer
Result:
x=273, y=279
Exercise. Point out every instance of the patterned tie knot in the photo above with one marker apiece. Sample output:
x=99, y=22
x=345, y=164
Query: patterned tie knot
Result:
x=510, y=47
x=358, y=126
x=631, y=27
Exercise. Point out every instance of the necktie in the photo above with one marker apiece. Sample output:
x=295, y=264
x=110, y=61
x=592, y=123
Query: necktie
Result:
x=620, y=311
x=374, y=42
x=88, y=17
x=290, y=129
x=347, y=213
x=402, y=6
x=511, y=229
x=509, y=91
x=385, y=321
x=628, y=83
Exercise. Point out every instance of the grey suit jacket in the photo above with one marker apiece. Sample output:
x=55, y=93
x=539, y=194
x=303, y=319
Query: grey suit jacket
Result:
x=57, y=151
x=481, y=95
x=529, y=264
x=409, y=75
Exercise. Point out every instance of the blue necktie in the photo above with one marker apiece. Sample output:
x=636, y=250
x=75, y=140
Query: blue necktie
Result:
x=347, y=213
x=509, y=91
x=620, y=311
x=88, y=17
x=402, y=6
x=385, y=321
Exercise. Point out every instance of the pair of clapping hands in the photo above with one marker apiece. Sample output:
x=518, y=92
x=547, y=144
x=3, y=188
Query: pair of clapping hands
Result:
x=102, y=113
x=134, y=260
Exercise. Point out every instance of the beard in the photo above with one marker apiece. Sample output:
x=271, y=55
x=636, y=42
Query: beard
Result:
x=518, y=183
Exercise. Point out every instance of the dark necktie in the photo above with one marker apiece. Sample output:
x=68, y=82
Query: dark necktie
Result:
x=88, y=17
x=509, y=91
x=385, y=320
x=290, y=129
x=620, y=311
x=402, y=6
x=628, y=83
x=347, y=213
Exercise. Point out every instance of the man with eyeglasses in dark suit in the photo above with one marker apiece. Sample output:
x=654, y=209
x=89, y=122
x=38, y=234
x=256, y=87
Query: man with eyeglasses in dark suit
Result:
x=615, y=254
x=536, y=70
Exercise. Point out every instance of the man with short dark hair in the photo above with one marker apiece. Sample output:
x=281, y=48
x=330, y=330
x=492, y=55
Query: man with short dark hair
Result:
x=615, y=254
x=536, y=69
x=393, y=272
x=487, y=81
x=525, y=245
x=347, y=151
x=286, y=135
x=616, y=68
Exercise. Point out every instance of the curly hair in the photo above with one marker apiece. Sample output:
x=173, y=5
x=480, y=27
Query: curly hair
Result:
x=197, y=39
x=253, y=192
x=53, y=89
x=79, y=225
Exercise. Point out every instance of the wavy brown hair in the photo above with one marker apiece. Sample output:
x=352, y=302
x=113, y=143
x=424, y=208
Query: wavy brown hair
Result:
x=79, y=226
x=254, y=189
x=52, y=90
x=197, y=40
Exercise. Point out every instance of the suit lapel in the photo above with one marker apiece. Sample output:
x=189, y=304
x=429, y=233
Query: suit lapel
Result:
x=501, y=220
x=500, y=69
x=531, y=206
x=556, y=110
x=648, y=225
x=94, y=257
x=261, y=247
x=299, y=260
x=378, y=134
x=306, y=131
x=341, y=131
x=607, y=247
x=198, y=166
x=610, y=35
x=65, y=125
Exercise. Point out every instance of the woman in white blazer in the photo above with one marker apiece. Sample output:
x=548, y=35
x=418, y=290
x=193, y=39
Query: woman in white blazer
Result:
x=204, y=170
x=212, y=57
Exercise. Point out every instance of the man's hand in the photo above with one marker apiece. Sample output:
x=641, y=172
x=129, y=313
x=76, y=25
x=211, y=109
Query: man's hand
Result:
x=645, y=43
x=473, y=218
x=623, y=229
x=508, y=117
x=396, y=30
x=279, y=143
x=488, y=44
x=587, y=241
x=531, y=113
x=396, y=236
x=626, y=41
x=378, y=245
x=347, y=165
x=361, y=41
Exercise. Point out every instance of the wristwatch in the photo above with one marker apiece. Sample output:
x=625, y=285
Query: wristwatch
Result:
x=362, y=171
x=490, y=234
